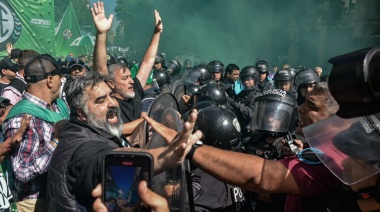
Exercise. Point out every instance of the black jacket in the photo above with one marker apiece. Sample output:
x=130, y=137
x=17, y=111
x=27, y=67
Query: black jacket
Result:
x=70, y=189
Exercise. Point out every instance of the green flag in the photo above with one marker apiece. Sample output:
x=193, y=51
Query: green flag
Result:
x=27, y=24
x=65, y=34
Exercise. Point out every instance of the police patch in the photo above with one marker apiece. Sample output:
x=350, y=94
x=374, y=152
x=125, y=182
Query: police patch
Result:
x=10, y=25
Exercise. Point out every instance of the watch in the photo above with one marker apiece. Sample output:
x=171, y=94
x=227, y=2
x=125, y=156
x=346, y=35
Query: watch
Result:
x=197, y=144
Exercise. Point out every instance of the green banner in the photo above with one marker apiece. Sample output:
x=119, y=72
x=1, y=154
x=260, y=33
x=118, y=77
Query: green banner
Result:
x=67, y=36
x=27, y=24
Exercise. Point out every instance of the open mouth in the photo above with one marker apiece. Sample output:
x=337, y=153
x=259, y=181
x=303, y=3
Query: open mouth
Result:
x=112, y=115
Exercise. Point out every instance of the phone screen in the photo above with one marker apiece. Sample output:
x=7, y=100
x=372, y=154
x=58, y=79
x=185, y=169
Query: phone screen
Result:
x=122, y=174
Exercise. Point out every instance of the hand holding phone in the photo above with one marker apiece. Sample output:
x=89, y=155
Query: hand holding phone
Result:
x=121, y=174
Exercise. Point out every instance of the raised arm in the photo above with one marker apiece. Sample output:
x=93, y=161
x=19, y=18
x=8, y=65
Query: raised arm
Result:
x=150, y=54
x=102, y=25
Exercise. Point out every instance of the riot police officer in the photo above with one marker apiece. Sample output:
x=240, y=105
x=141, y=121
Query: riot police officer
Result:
x=243, y=104
x=209, y=193
x=174, y=69
x=263, y=68
x=284, y=80
x=275, y=123
x=304, y=81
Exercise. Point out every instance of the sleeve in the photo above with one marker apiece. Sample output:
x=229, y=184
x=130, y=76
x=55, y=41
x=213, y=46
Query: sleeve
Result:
x=12, y=96
x=312, y=180
x=31, y=159
x=138, y=89
x=245, y=110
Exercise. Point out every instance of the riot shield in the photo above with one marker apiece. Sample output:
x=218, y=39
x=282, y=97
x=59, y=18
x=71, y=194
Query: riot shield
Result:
x=171, y=183
x=166, y=88
x=178, y=93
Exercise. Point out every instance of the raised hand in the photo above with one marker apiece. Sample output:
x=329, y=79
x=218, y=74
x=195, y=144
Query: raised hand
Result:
x=102, y=24
x=158, y=26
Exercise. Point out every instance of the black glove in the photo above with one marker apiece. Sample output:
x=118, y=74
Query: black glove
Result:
x=232, y=103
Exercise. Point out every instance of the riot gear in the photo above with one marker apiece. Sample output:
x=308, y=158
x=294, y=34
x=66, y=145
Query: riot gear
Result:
x=205, y=74
x=283, y=79
x=226, y=131
x=161, y=77
x=211, y=92
x=174, y=67
x=305, y=77
x=274, y=112
x=249, y=72
x=159, y=59
x=292, y=71
x=262, y=66
x=216, y=66
x=187, y=63
x=190, y=89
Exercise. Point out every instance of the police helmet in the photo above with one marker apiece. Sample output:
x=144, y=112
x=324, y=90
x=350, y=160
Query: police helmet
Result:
x=216, y=66
x=123, y=60
x=191, y=88
x=275, y=112
x=161, y=77
x=205, y=74
x=211, y=92
x=306, y=77
x=262, y=66
x=174, y=67
x=292, y=71
x=225, y=132
x=282, y=76
x=249, y=72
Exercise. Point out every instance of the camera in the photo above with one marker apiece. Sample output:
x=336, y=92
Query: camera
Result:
x=353, y=82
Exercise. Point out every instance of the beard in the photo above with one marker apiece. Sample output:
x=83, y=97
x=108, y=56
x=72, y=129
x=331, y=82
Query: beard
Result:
x=126, y=94
x=115, y=129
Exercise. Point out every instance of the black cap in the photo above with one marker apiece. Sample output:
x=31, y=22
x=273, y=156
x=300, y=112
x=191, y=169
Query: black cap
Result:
x=76, y=63
x=4, y=101
x=10, y=64
x=33, y=74
x=15, y=53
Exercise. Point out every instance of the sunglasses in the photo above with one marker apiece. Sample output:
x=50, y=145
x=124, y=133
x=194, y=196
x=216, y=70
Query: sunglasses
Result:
x=309, y=156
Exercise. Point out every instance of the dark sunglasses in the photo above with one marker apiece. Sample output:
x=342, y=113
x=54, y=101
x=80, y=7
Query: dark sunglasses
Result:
x=309, y=156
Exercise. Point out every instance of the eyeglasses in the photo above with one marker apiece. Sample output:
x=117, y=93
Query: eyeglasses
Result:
x=309, y=156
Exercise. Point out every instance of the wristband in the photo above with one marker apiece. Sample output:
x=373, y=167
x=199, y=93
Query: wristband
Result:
x=55, y=141
x=190, y=155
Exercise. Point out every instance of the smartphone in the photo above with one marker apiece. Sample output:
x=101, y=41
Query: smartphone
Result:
x=121, y=174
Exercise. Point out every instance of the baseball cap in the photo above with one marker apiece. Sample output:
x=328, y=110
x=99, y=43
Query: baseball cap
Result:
x=42, y=70
x=15, y=53
x=8, y=63
x=76, y=63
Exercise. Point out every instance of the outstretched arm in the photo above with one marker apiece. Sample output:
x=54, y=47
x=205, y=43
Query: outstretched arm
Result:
x=246, y=171
x=102, y=25
x=174, y=154
x=150, y=54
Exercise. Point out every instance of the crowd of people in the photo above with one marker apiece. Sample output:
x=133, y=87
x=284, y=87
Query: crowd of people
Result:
x=242, y=133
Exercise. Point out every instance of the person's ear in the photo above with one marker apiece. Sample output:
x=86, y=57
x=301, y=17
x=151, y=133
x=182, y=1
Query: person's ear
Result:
x=111, y=84
x=81, y=115
x=49, y=81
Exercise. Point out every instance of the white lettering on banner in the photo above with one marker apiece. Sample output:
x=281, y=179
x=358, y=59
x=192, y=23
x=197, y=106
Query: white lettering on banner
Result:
x=40, y=22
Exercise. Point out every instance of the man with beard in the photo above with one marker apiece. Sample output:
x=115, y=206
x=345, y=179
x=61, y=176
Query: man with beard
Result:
x=127, y=91
x=95, y=129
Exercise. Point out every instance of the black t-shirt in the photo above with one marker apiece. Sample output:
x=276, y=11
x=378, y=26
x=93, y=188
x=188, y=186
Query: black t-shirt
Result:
x=131, y=108
x=90, y=158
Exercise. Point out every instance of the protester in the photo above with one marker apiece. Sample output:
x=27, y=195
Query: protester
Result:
x=128, y=92
x=94, y=130
x=31, y=159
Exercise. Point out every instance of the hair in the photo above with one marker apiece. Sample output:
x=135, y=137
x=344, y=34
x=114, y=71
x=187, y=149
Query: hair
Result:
x=25, y=56
x=231, y=67
x=75, y=95
x=331, y=104
x=114, y=67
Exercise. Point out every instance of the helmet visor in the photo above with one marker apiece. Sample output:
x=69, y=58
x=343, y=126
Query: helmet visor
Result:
x=272, y=116
x=349, y=148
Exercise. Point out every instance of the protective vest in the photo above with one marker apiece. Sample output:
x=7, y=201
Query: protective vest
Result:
x=58, y=196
